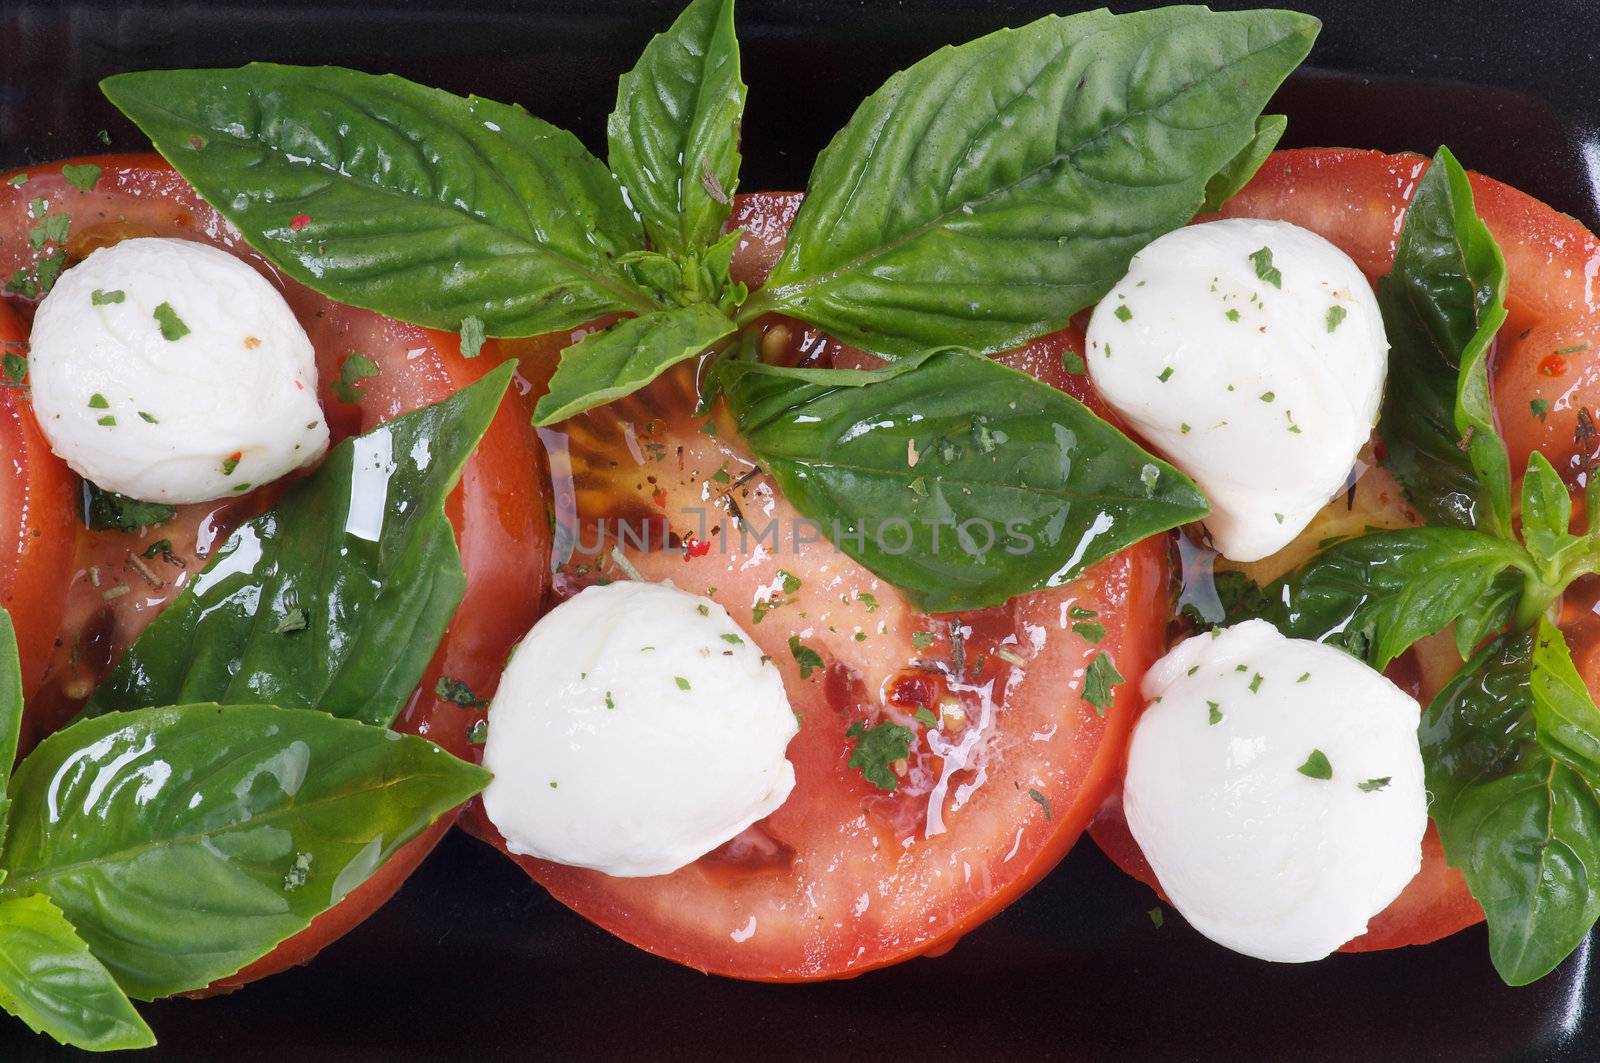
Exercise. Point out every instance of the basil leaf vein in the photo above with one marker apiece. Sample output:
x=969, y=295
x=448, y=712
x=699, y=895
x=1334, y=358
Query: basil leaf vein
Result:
x=674, y=135
x=994, y=505
x=407, y=200
x=186, y=842
x=360, y=554
x=990, y=191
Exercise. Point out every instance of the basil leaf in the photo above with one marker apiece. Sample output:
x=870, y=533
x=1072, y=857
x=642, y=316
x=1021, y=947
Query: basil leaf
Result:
x=1521, y=822
x=957, y=509
x=387, y=195
x=1442, y=305
x=186, y=842
x=108, y=511
x=674, y=135
x=987, y=193
x=1546, y=509
x=359, y=554
x=1234, y=176
x=10, y=709
x=604, y=366
x=50, y=980
x=1378, y=594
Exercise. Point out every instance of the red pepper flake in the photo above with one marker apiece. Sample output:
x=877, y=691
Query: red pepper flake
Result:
x=298, y=222
x=660, y=498
x=694, y=547
x=1553, y=365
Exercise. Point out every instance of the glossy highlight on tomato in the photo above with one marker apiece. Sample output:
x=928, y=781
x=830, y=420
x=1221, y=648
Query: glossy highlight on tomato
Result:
x=498, y=511
x=846, y=877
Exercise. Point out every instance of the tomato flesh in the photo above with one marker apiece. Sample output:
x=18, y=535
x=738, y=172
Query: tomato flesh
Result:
x=36, y=526
x=498, y=511
x=845, y=877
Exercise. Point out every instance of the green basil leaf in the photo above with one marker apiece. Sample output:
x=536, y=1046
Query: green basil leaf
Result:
x=10, y=710
x=1522, y=823
x=186, y=842
x=1490, y=614
x=674, y=135
x=957, y=509
x=1378, y=594
x=1442, y=305
x=108, y=511
x=605, y=366
x=1546, y=509
x=50, y=980
x=387, y=195
x=1234, y=176
x=359, y=553
x=987, y=193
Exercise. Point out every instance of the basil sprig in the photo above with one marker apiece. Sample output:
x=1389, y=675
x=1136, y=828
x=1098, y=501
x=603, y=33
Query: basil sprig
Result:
x=152, y=852
x=1511, y=745
x=990, y=191
x=334, y=599
x=958, y=509
x=977, y=200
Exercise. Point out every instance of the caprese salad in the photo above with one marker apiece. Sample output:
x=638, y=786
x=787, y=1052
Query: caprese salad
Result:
x=786, y=581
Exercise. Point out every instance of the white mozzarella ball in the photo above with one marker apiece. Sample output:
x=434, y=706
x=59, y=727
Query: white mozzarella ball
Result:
x=170, y=371
x=1276, y=787
x=1251, y=354
x=635, y=729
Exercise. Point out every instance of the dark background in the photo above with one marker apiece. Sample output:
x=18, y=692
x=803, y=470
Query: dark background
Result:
x=472, y=961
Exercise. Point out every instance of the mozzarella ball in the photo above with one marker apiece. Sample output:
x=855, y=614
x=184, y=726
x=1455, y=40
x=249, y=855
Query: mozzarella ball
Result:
x=171, y=371
x=635, y=729
x=1275, y=785
x=1250, y=354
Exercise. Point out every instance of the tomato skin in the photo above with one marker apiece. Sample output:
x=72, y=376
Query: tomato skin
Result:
x=498, y=511
x=37, y=527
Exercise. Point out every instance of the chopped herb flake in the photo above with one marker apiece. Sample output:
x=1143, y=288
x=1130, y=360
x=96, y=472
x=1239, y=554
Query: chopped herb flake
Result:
x=1262, y=260
x=294, y=620
x=878, y=748
x=1539, y=407
x=457, y=693
x=1123, y=313
x=1073, y=362
x=1372, y=784
x=925, y=717
x=683, y=684
x=81, y=176
x=1316, y=766
x=356, y=367
x=922, y=639
x=1214, y=712
x=1044, y=803
x=1166, y=374
x=1336, y=316
x=471, y=336
x=807, y=658
x=1098, y=681
x=172, y=326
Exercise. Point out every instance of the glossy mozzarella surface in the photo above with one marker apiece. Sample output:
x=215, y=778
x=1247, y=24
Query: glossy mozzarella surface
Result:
x=170, y=371
x=1251, y=354
x=1224, y=797
x=635, y=729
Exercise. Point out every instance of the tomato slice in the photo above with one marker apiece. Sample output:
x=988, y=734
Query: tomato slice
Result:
x=498, y=511
x=845, y=877
x=1546, y=382
x=36, y=525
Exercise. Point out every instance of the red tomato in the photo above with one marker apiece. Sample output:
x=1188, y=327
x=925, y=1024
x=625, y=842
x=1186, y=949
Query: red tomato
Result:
x=1546, y=379
x=37, y=493
x=498, y=511
x=845, y=877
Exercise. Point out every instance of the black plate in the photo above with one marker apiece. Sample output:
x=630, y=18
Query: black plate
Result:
x=471, y=960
